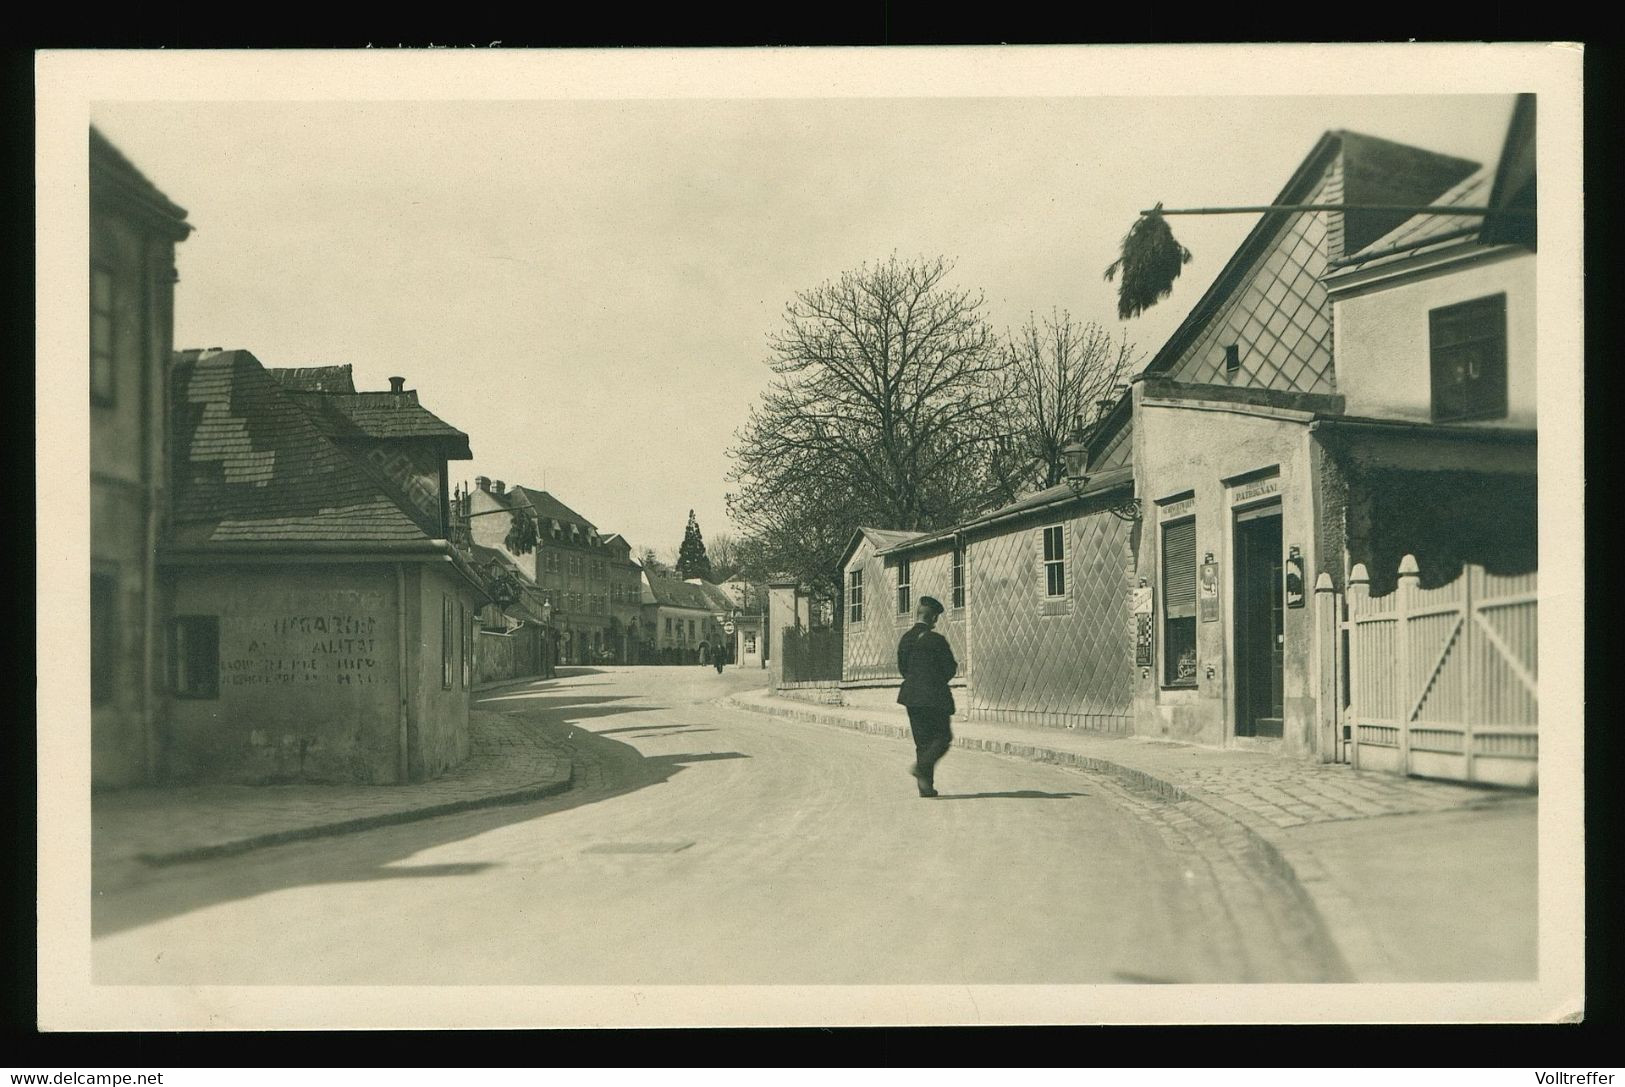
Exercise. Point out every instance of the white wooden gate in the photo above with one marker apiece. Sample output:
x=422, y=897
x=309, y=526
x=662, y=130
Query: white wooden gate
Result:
x=1442, y=682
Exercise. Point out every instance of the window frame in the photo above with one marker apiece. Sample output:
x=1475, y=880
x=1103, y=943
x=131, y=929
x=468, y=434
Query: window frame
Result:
x=854, y=596
x=905, y=587
x=957, y=587
x=186, y=632
x=446, y=683
x=1484, y=320
x=104, y=640
x=106, y=396
x=1169, y=675
x=1055, y=567
x=467, y=647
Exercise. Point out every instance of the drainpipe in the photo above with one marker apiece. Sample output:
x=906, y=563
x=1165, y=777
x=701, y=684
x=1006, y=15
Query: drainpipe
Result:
x=403, y=766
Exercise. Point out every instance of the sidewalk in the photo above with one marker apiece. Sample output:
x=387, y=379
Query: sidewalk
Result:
x=510, y=761
x=1412, y=880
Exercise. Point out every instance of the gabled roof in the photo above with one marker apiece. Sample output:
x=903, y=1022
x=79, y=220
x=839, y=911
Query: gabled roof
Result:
x=879, y=539
x=379, y=416
x=315, y=379
x=680, y=594
x=1375, y=171
x=548, y=507
x=252, y=466
x=720, y=599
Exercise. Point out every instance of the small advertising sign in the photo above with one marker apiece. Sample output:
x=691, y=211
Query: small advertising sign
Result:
x=1294, y=578
x=1207, y=591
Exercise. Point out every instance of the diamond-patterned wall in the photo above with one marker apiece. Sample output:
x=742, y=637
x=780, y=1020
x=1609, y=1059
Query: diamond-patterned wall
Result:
x=1279, y=315
x=870, y=647
x=1066, y=663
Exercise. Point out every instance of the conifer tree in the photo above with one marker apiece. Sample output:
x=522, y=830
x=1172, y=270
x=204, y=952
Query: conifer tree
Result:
x=691, y=557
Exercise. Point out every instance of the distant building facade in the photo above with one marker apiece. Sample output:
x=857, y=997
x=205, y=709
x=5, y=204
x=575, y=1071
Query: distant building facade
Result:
x=625, y=599
x=679, y=617
x=570, y=562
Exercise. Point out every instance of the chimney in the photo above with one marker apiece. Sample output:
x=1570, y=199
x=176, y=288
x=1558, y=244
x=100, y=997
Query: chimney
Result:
x=483, y=483
x=497, y=486
x=397, y=384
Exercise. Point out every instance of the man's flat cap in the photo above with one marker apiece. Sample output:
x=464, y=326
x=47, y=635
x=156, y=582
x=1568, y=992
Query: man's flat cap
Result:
x=933, y=603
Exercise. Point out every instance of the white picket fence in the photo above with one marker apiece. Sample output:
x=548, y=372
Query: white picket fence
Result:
x=1440, y=682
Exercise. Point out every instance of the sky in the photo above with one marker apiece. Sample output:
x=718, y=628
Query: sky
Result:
x=586, y=286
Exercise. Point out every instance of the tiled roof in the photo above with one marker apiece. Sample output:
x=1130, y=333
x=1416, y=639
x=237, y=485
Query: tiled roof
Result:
x=1061, y=492
x=250, y=465
x=315, y=379
x=1419, y=232
x=376, y=416
x=719, y=597
x=680, y=594
x=548, y=507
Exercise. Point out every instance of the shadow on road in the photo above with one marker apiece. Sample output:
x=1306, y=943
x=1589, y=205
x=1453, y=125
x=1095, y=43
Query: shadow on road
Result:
x=569, y=708
x=606, y=769
x=1016, y=794
x=642, y=728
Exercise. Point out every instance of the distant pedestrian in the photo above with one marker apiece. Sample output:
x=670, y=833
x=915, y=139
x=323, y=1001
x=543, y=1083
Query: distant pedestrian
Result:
x=719, y=657
x=927, y=664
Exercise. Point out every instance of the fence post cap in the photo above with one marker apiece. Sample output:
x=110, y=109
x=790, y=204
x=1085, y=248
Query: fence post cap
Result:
x=1358, y=575
x=1323, y=582
x=1408, y=567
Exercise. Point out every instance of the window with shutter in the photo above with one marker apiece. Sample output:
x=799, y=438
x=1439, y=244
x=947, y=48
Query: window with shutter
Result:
x=1467, y=349
x=1179, y=602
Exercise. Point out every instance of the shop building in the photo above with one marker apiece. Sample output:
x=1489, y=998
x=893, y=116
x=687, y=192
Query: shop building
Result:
x=321, y=628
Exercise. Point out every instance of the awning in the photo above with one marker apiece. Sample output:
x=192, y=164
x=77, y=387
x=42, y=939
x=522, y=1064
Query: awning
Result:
x=1427, y=447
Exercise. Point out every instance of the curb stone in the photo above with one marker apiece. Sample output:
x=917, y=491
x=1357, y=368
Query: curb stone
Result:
x=1293, y=867
x=351, y=826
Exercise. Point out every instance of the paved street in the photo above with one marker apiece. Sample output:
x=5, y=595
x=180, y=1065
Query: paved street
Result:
x=705, y=844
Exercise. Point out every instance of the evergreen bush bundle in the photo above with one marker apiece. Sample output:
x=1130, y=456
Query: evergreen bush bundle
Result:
x=1151, y=260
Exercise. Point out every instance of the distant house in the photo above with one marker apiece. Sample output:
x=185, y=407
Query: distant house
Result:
x=570, y=562
x=625, y=599
x=1036, y=592
x=321, y=626
x=134, y=229
x=678, y=617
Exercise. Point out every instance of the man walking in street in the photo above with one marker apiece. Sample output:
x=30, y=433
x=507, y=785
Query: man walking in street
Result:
x=927, y=664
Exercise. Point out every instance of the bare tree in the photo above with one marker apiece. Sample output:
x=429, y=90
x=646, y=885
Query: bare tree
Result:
x=884, y=412
x=723, y=548
x=1059, y=375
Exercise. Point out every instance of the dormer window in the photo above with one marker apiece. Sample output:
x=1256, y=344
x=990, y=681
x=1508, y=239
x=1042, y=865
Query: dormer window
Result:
x=1467, y=348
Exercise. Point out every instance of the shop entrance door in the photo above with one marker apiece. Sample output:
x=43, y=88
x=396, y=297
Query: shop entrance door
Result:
x=1259, y=642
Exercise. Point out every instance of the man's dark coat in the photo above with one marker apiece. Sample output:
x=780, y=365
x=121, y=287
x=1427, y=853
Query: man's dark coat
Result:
x=927, y=664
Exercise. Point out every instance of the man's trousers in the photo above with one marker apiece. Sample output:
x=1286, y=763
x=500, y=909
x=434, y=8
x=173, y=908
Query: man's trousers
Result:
x=932, y=738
